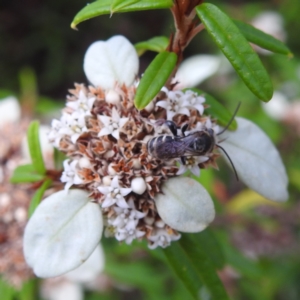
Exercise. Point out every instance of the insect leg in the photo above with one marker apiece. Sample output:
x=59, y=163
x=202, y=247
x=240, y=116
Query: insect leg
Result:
x=172, y=126
x=184, y=128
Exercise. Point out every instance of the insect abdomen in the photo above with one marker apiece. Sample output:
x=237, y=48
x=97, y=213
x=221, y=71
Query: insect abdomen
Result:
x=164, y=147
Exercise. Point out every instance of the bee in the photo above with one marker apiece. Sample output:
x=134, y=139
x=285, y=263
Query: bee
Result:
x=197, y=143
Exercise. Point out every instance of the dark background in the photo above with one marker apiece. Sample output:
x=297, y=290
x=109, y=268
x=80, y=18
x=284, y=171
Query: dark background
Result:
x=37, y=34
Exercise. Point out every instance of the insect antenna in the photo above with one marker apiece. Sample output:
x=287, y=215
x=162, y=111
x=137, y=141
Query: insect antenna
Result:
x=231, y=120
x=235, y=172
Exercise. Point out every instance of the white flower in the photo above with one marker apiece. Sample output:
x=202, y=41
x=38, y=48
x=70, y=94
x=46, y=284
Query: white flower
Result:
x=191, y=163
x=207, y=124
x=114, y=194
x=174, y=104
x=196, y=69
x=162, y=238
x=194, y=101
x=124, y=225
x=112, y=124
x=69, y=174
x=72, y=125
x=10, y=110
x=83, y=104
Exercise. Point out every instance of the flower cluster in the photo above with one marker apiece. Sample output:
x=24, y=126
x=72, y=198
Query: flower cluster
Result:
x=136, y=194
x=107, y=155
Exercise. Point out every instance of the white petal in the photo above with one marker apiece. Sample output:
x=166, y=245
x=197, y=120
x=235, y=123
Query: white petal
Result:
x=195, y=170
x=256, y=160
x=196, y=69
x=164, y=104
x=121, y=202
x=10, y=110
x=104, y=131
x=122, y=122
x=62, y=233
x=108, y=201
x=116, y=134
x=277, y=107
x=185, y=205
x=105, y=120
x=90, y=269
x=182, y=169
x=103, y=190
x=61, y=290
x=111, y=61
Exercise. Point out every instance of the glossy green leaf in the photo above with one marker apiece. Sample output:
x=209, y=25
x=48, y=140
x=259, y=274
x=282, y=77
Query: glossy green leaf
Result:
x=217, y=110
x=102, y=7
x=183, y=266
x=37, y=197
x=237, y=50
x=25, y=173
x=262, y=39
x=202, y=261
x=156, y=44
x=154, y=78
x=35, y=147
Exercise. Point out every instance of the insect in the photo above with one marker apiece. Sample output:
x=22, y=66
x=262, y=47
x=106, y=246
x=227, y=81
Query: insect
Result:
x=197, y=143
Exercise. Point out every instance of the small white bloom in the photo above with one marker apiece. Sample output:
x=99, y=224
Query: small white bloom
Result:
x=69, y=174
x=125, y=223
x=114, y=194
x=72, y=125
x=191, y=163
x=112, y=124
x=138, y=185
x=194, y=101
x=174, y=104
x=161, y=238
x=83, y=104
x=10, y=110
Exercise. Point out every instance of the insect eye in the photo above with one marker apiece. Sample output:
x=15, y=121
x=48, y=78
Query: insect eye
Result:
x=198, y=144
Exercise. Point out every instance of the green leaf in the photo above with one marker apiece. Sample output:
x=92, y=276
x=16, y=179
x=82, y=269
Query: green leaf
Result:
x=7, y=292
x=217, y=110
x=202, y=261
x=156, y=44
x=210, y=244
x=37, y=197
x=237, y=50
x=181, y=263
x=35, y=148
x=102, y=7
x=59, y=158
x=25, y=173
x=154, y=78
x=28, y=290
x=262, y=39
